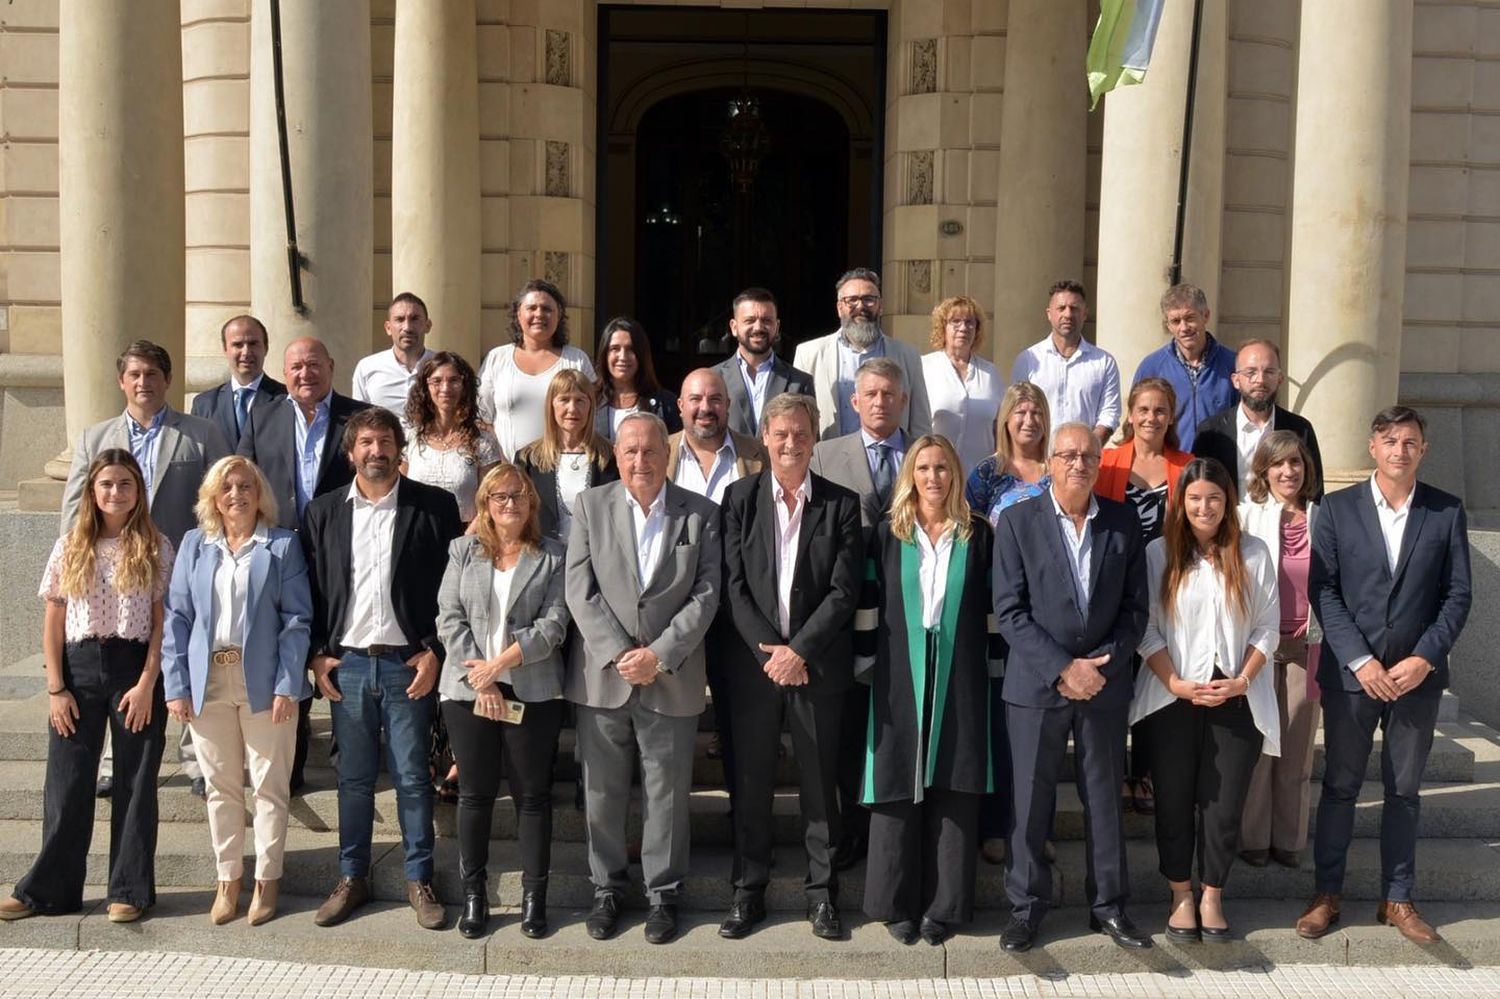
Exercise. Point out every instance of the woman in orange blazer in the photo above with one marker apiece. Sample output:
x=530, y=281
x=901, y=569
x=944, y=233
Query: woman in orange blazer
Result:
x=1143, y=471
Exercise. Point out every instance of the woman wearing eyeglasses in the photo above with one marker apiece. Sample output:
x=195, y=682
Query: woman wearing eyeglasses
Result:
x=963, y=387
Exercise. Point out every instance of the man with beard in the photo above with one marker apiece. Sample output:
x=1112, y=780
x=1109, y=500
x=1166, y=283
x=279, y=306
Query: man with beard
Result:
x=1194, y=363
x=754, y=375
x=379, y=550
x=833, y=360
x=384, y=379
x=1081, y=381
x=1233, y=434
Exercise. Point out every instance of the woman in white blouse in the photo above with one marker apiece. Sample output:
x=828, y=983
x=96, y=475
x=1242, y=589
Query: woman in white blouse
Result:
x=962, y=387
x=514, y=377
x=570, y=456
x=447, y=444
x=1206, y=696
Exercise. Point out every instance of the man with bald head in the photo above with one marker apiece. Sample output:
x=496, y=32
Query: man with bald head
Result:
x=245, y=343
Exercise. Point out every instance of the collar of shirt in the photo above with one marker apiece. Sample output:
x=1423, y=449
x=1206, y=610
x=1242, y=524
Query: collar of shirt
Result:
x=924, y=542
x=155, y=424
x=1382, y=505
x=253, y=385
x=724, y=451
x=764, y=367
x=319, y=411
x=897, y=440
x=395, y=360
x=803, y=490
x=876, y=349
x=657, y=505
x=257, y=537
x=1248, y=426
x=386, y=502
x=1209, y=345
x=1049, y=346
x=1061, y=513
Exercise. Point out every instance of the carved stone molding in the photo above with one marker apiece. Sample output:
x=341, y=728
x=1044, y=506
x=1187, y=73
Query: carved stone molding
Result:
x=558, y=181
x=559, y=58
x=919, y=279
x=919, y=177
x=555, y=268
x=924, y=66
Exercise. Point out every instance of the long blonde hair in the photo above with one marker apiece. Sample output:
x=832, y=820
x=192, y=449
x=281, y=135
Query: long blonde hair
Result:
x=544, y=454
x=1018, y=393
x=139, y=540
x=904, y=493
x=484, y=523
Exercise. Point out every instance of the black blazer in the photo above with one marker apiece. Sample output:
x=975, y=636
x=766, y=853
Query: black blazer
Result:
x=217, y=405
x=270, y=440
x=546, y=487
x=1217, y=435
x=825, y=585
x=1364, y=609
x=784, y=378
x=1036, y=604
x=426, y=520
x=660, y=403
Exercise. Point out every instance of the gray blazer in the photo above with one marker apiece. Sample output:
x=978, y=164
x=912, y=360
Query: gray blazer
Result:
x=187, y=447
x=842, y=460
x=784, y=378
x=536, y=617
x=614, y=613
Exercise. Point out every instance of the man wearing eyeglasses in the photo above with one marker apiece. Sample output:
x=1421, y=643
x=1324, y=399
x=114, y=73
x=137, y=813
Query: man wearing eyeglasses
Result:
x=1233, y=434
x=832, y=360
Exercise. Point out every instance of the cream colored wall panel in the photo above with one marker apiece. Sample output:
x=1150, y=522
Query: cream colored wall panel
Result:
x=1436, y=136
x=1431, y=349
x=217, y=162
x=983, y=120
x=980, y=231
x=918, y=120
x=492, y=50
x=491, y=11
x=1436, y=190
x=913, y=232
x=987, y=62
x=1479, y=350
x=524, y=52
x=1484, y=138
x=29, y=57
x=381, y=166
x=29, y=167
x=1254, y=236
x=1486, y=31
x=1445, y=28
x=216, y=106
x=216, y=49
x=1255, y=292
x=495, y=284
x=1481, y=299
x=219, y=274
x=35, y=329
x=952, y=177
x=539, y=111
x=984, y=176
x=1263, y=18
x=381, y=102
x=220, y=219
x=1257, y=125
x=28, y=113
x=29, y=14
x=1442, y=83
x=494, y=110
x=1435, y=243
x=1486, y=92
x=30, y=222
x=1433, y=297
x=194, y=11
x=1483, y=194
x=34, y=276
x=959, y=245
x=1257, y=180
x=494, y=167
x=383, y=48
x=990, y=15
x=1262, y=68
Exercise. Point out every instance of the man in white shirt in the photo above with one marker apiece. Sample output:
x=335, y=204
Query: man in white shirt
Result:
x=384, y=379
x=1081, y=381
x=753, y=374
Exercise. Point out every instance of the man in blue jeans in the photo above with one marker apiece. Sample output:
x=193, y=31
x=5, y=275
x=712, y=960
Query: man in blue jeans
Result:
x=379, y=549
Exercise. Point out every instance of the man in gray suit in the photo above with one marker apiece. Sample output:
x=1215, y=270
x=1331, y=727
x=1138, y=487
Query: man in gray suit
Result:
x=174, y=451
x=643, y=574
x=753, y=374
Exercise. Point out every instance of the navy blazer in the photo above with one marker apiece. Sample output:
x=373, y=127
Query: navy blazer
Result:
x=217, y=405
x=278, y=606
x=270, y=440
x=1365, y=609
x=1036, y=603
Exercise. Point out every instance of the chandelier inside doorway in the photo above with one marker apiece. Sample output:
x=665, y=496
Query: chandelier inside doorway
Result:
x=745, y=139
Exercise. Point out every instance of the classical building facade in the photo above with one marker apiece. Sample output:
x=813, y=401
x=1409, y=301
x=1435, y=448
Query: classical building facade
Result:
x=1344, y=195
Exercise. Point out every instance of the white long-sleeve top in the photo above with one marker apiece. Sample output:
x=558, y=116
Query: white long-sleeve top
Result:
x=1205, y=628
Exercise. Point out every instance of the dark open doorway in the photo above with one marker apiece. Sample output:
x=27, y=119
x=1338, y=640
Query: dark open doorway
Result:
x=736, y=149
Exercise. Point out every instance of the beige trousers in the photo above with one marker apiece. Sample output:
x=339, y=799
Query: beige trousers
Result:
x=1276, y=808
x=230, y=736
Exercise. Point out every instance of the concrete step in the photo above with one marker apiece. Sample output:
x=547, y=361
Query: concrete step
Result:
x=384, y=934
x=1451, y=870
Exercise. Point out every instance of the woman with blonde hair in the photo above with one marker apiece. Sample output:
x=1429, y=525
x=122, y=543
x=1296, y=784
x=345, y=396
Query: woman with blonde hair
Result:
x=570, y=456
x=963, y=387
x=101, y=639
x=923, y=644
x=1205, y=697
x=235, y=662
x=502, y=620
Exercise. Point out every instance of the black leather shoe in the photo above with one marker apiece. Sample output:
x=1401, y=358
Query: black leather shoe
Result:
x=476, y=917
x=605, y=916
x=934, y=932
x=1017, y=936
x=661, y=924
x=850, y=852
x=825, y=920
x=534, y=914
x=743, y=917
x=903, y=930
x=1121, y=930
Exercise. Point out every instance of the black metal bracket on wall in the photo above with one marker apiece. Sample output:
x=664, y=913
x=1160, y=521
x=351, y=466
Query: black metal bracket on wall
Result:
x=295, y=261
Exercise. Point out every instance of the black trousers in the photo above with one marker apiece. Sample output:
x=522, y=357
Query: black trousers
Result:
x=1349, y=722
x=486, y=750
x=99, y=672
x=1201, y=765
x=1038, y=745
x=994, y=808
x=922, y=858
x=854, y=818
x=760, y=706
x=1140, y=738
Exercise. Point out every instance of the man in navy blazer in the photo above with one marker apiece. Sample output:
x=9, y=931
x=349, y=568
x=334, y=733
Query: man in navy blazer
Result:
x=228, y=404
x=1389, y=580
x=1071, y=601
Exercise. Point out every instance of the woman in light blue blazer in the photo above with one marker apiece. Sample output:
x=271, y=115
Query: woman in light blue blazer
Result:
x=234, y=657
x=502, y=620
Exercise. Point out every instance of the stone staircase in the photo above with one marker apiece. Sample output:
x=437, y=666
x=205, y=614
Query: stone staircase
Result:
x=1458, y=882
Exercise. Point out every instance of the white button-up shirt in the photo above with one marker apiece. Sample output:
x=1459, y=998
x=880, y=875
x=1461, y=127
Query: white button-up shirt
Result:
x=757, y=382
x=1079, y=545
x=1247, y=438
x=690, y=474
x=932, y=572
x=1083, y=388
x=381, y=379
x=649, y=523
x=231, y=583
x=372, y=616
x=499, y=636
x=963, y=409
x=788, y=526
x=1392, y=530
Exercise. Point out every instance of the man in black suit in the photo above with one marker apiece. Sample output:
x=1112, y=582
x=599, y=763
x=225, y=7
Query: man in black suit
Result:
x=1232, y=435
x=1071, y=599
x=228, y=404
x=753, y=374
x=379, y=550
x=298, y=442
x=1389, y=580
x=794, y=558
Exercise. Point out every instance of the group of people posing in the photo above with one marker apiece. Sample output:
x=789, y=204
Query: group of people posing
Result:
x=935, y=582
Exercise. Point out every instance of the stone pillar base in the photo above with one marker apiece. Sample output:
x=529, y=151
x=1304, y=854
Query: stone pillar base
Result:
x=1338, y=478
x=42, y=495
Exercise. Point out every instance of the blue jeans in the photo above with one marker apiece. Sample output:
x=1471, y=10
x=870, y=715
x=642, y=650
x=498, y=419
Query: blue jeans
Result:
x=374, y=690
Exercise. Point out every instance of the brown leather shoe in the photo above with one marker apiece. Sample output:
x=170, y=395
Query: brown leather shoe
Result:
x=349, y=894
x=1404, y=916
x=226, y=903
x=430, y=914
x=1320, y=916
x=263, y=902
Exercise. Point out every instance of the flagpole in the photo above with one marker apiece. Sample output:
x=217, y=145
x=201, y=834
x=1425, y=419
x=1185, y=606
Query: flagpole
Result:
x=1187, y=145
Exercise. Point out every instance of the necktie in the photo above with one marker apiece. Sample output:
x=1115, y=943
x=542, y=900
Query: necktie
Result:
x=241, y=407
x=884, y=473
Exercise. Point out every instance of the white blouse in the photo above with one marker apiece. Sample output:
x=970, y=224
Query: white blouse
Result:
x=964, y=409
x=499, y=636
x=570, y=482
x=232, y=588
x=512, y=401
x=453, y=469
x=932, y=572
x=1204, y=631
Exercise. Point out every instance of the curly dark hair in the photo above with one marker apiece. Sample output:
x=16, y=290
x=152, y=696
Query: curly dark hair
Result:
x=560, y=336
x=421, y=411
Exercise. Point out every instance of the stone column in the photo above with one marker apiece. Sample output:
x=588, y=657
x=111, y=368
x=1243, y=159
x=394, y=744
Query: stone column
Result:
x=1039, y=236
x=1348, y=250
x=1139, y=180
x=326, y=59
x=435, y=167
x=120, y=189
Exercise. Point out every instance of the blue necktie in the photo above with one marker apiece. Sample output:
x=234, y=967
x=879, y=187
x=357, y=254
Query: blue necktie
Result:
x=241, y=407
x=883, y=473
